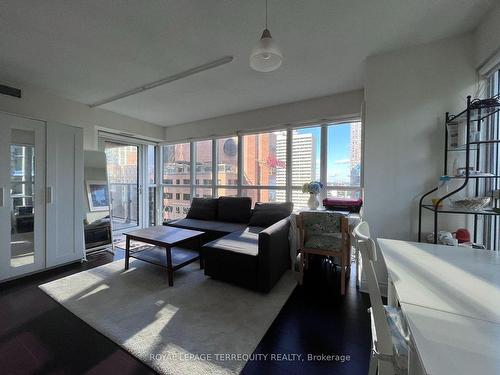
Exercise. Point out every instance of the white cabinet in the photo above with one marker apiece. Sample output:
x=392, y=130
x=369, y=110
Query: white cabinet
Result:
x=64, y=194
x=41, y=188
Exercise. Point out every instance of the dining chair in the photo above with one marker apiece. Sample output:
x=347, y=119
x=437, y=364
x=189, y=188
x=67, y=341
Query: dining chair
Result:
x=327, y=234
x=390, y=344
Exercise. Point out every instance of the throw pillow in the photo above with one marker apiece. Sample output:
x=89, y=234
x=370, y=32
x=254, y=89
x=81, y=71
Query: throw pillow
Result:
x=266, y=214
x=203, y=209
x=235, y=209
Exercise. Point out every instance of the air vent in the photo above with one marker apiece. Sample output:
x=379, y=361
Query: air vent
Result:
x=11, y=91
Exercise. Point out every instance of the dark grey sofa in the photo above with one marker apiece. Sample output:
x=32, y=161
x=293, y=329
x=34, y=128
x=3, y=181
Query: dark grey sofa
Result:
x=251, y=249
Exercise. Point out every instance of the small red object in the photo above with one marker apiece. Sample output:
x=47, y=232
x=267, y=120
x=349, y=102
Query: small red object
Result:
x=343, y=204
x=462, y=235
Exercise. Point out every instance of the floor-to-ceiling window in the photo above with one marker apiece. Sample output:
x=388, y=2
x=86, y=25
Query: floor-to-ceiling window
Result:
x=305, y=162
x=268, y=166
x=151, y=152
x=203, y=171
x=226, y=167
x=343, y=177
x=264, y=166
x=176, y=180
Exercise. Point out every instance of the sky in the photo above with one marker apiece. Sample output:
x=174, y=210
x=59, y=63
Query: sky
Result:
x=339, y=149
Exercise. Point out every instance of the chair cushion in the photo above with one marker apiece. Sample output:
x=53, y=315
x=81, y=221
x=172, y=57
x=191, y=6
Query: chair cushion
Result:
x=323, y=241
x=234, y=209
x=266, y=214
x=203, y=209
x=243, y=242
x=321, y=222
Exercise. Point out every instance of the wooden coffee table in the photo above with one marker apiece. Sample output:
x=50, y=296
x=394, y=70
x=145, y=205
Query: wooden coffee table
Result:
x=170, y=238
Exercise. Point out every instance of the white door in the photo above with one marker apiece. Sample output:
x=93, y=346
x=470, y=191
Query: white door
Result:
x=65, y=194
x=22, y=196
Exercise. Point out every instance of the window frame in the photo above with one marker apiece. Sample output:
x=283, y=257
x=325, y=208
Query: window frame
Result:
x=215, y=160
x=162, y=185
x=194, y=176
x=239, y=186
x=290, y=186
x=323, y=169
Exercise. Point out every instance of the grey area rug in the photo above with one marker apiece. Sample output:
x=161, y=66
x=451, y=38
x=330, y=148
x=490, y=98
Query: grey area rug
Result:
x=198, y=326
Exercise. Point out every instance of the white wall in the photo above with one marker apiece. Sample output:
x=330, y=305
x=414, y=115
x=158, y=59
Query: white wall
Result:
x=333, y=106
x=407, y=93
x=487, y=37
x=41, y=105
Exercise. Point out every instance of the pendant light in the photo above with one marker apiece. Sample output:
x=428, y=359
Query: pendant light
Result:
x=266, y=56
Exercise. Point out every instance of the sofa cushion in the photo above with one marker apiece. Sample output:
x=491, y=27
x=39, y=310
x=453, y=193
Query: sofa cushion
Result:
x=266, y=214
x=196, y=224
x=203, y=209
x=234, y=209
x=208, y=225
x=231, y=227
x=243, y=242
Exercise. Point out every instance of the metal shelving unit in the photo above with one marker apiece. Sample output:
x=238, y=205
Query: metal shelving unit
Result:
x=476, y=113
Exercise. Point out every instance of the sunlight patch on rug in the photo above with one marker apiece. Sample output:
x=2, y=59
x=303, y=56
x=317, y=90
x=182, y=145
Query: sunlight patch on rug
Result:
x=198, y=326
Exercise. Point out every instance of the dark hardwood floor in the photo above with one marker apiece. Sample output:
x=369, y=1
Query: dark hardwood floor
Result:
x=38, y=336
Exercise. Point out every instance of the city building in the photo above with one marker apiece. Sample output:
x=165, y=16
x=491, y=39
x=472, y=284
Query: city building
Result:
x=355, y=159
x=303, y=166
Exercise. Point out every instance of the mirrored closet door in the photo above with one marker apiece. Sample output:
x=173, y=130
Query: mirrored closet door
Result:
x=22, y=196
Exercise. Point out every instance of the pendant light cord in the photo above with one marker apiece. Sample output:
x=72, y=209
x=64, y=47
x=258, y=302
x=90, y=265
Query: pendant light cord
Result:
x=266, y=14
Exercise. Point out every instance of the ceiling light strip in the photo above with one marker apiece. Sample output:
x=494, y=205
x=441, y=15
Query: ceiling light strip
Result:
x=201, y=68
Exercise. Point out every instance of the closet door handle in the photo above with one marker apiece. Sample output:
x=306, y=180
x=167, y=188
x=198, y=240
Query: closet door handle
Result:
x=2, y=196
x=49, y=195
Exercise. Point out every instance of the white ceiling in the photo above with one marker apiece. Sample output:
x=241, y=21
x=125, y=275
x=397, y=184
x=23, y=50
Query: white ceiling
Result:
x=89, y=50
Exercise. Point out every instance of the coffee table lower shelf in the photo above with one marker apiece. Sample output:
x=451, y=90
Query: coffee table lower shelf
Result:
x=158, y=256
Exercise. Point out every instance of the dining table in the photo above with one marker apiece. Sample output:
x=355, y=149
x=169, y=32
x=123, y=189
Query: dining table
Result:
x=450, y=299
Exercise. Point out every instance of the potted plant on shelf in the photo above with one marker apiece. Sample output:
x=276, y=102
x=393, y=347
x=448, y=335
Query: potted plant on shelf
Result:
x=313, y=188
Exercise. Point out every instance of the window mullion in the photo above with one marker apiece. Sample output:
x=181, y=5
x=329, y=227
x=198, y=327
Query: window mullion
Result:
x=323, y=168
x=192, y=172
x=240, y=165
x=289, y=164
x=215, y=171
x=159, y=184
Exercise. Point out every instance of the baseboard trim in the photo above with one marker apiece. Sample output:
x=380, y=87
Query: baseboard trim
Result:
x=33, y=273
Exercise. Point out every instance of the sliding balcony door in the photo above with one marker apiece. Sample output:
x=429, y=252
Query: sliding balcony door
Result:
x=125, y=189
x=132, y=177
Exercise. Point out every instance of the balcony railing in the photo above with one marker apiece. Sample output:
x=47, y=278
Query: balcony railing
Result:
x=124, y=205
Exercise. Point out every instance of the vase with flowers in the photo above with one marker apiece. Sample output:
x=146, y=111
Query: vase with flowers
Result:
x=313, y=188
